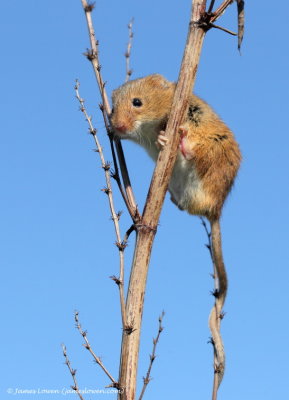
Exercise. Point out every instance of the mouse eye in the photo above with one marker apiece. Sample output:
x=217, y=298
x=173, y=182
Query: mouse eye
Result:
x=136, y=102
x=112, y=110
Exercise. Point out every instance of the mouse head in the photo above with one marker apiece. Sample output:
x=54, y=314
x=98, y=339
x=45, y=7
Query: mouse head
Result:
x=141, y=101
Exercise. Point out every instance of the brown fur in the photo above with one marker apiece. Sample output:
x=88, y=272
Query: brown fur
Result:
x=156, y=93
x=210, y=144
x=215, y=155
x=204, y=171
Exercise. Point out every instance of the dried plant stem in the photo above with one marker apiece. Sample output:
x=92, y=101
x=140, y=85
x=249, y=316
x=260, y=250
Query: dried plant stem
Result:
x=132, y=206
x=92, y=55
x=128, y=233
x=133, y=212
x=72, y=372
x=211, y=6
x=146, y=229
x=114, y=216
x=147, y=378
x=223, y=29
x=88, y=347
x=220, y=10
x=128, y=51
x=159, y=184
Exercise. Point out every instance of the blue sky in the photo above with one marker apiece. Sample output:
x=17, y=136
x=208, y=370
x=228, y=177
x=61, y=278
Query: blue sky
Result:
x=56, y=234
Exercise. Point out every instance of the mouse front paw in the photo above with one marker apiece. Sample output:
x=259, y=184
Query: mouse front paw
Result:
x=162, y=140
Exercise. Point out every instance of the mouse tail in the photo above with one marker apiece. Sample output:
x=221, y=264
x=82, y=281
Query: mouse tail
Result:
x=221, y=286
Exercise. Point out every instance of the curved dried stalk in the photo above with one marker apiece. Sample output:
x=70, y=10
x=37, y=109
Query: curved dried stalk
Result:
x=220, y=10
x=114, y=215
x=88, y=347
x=92, y=55
x=147, y=378
x=159, y=184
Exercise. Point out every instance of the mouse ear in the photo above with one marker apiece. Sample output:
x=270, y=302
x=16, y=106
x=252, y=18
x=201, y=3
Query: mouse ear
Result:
x=160, y=81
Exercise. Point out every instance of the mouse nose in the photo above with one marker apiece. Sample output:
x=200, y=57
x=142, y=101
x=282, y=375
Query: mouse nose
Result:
x=121, y=127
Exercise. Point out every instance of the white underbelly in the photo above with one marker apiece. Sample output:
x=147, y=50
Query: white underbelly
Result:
x=185, y=186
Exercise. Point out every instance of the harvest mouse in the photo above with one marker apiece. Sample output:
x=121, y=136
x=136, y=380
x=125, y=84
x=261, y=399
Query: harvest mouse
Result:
x=207, y=162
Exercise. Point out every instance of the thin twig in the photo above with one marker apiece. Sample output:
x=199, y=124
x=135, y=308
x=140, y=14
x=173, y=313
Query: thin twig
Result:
x=93, y=56
x=72, y=372
x=114, y=215
x=147, y=378
x=209, y=244
x=128, y=232
x=88, y=347
x=223, y=29
x=211, y=6
x=115, y=175
x=220, y=10
x=128, y=51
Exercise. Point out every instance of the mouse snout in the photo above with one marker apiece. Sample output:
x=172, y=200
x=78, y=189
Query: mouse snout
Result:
x=121, y=127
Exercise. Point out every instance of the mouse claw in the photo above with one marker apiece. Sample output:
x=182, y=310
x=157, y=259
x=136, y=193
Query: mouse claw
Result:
x=162, y=140
x=183, y=131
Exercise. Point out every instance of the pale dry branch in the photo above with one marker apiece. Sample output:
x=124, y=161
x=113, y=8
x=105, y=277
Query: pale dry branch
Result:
x=114, y=215
x=198, y=26
x=88, y=347
x=220, y=10
x=72, y=372
x=147, y=378
x=155, y=199
x=128, y=51
x=93, y=56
